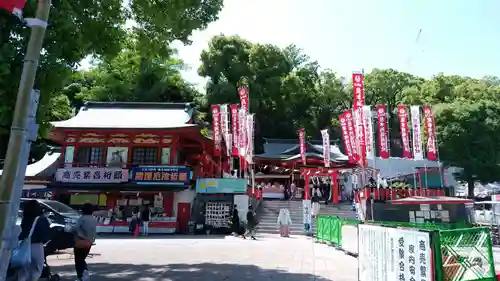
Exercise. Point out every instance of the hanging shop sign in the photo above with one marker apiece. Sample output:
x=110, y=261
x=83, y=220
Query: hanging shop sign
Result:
x=173, y=175
x=391, y=254
x=92, y=175
x=214, y=186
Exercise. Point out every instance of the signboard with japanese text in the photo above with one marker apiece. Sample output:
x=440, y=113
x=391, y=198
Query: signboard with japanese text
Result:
x=92, y=175
x=391, y=254
x=170, y=175
x=307, y=215
x=218, y=186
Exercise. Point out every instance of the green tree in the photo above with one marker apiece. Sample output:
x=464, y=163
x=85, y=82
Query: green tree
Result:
x=468, y=138
x=78, y=29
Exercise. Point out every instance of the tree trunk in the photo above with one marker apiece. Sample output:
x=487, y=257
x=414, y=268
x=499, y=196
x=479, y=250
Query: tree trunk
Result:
x=470, y=188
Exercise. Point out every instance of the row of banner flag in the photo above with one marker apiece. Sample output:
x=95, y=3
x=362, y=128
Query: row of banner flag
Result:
x=233, y=126
x=358, y=131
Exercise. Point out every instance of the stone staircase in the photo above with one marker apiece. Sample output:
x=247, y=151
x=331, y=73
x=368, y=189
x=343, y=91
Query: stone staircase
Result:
x=269, y=210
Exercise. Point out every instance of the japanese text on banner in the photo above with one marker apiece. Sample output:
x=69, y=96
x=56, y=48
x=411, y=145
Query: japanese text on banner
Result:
x=417, y=132
x=216, y=130
x=383, y=132
x=302, y=142
x=351, y=130
x=403, y=125
x=244, y=94
x=345, y=136
x=242, y=135
x=235, y=128
x=368, y=126
x=359, y=94
x=431, y=135
x=326, y=147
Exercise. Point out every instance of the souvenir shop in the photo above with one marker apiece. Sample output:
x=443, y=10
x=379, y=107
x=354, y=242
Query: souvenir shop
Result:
x=214, y=203
x=169, y=202
x=272, y=185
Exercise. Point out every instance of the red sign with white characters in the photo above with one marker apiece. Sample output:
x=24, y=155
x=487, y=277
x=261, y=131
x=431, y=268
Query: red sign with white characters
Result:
x=216, y=130
x=383, y=132
x=14, y=7
x=244, y=96
x=359, y=92
x=431, y=134
x=351, y=131
x=234, y=128
x=403, y=126
x=302, y=141
x=345, y=136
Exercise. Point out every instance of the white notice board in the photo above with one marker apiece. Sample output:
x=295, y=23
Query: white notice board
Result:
x=390, y=254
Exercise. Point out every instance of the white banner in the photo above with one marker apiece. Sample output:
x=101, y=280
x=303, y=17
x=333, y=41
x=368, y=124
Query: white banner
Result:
x=229, y=147
x=417, y=132
x=250, y=137
x=307, y=215
x=358, y=129
x=242, y=133
x=368, y=126
x=224, y=121
x=326, y=147
x=390, y=254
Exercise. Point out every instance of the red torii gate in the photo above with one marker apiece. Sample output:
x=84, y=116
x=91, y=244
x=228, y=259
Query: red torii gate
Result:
x=321, y=172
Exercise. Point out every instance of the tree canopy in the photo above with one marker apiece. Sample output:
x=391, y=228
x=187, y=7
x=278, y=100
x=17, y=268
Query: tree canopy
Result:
x=83, y=28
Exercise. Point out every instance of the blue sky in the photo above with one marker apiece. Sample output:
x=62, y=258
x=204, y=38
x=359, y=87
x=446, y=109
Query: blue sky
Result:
x=458, y=36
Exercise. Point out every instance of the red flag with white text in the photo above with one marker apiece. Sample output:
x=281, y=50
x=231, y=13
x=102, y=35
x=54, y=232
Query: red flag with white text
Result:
x=383, y=132
x=234, y=128
x=244, y=94
x=359, y=102
x=302, y=143
x=345, y=136
x=431, y=134
x=403, y=126
x=14, y=7
x=216, y=130
x=351, y=132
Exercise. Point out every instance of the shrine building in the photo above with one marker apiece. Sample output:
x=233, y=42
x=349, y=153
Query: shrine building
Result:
x=124, y=156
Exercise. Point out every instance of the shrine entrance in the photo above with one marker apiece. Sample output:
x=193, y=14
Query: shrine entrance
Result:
x=308, y=173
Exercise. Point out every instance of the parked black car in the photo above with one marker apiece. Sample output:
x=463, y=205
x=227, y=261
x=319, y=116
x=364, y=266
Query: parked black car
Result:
x=62, y=217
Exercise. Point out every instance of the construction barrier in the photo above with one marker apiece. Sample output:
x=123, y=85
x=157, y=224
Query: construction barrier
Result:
x=409, y=251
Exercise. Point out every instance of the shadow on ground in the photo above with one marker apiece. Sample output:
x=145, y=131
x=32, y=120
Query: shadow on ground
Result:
x=184, y=272
x=161, y=236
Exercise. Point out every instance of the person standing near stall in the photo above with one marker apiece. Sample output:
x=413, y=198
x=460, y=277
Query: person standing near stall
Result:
x=145, y=218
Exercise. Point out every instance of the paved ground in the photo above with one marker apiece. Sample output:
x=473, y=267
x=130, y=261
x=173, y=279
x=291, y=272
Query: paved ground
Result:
x=212, y=259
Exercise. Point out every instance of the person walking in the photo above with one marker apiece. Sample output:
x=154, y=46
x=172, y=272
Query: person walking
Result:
x=236, y=226
x=284, y=222
x=145, y=218
x=251, y=223
x=36, y=226
x=85, y=233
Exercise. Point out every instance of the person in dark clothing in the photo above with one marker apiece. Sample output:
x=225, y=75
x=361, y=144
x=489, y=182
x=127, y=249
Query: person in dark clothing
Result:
x=236, y=224
x=251, y=223
x=33, y=218
x=145, y=218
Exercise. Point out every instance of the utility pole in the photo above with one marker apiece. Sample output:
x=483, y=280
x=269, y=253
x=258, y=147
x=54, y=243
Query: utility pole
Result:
x=23, y=131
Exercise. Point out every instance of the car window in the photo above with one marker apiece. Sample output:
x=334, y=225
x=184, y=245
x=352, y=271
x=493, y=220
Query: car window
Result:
x=58, y=207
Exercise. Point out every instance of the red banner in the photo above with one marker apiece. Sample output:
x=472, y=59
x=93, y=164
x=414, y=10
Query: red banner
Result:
x=14, y=7
x=244, y=95
x=404, y=129
x=383, y=132
x=216, y=133
x=302, y=142
x=235, y=128
x=345, y=136
x=431, y=134
x=351, y=131
x=359, y=92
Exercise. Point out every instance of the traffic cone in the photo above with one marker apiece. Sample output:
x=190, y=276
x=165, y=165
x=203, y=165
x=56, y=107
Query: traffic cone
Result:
x=136, y=231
